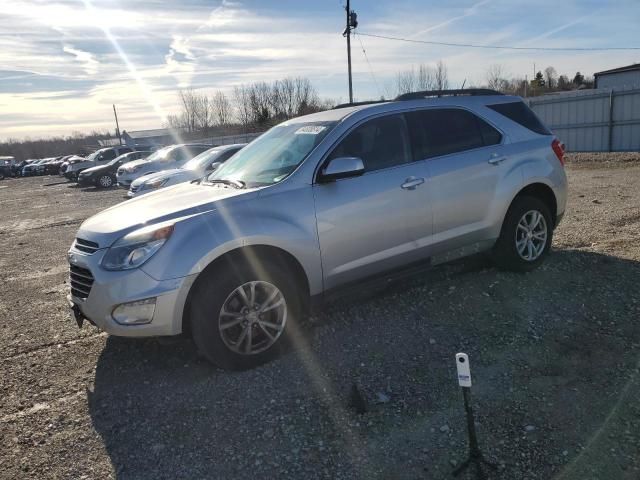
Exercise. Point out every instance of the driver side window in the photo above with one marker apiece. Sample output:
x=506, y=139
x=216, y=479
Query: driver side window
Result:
x=381, y=143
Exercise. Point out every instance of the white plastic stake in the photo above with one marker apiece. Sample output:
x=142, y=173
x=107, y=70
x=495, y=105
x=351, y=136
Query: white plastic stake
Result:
x=464, y=372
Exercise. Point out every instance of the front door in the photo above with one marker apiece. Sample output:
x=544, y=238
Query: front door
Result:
x=366, y=223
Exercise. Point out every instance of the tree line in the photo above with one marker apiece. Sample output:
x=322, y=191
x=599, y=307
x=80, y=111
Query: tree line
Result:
x=76, y=143
x=426, y=77
x=545, y=81
x=250, y=106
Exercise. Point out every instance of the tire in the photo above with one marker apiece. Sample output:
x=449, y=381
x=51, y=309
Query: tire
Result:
x=105, y=181
x=220, y=287
x=519, y=248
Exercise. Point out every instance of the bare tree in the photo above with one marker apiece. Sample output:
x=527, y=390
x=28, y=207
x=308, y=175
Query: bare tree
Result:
x=426, y=79
x=495, y=78
x=221, y=109
x=441, y=76
x=550, y=75
x=243, y=110
x=405, y=82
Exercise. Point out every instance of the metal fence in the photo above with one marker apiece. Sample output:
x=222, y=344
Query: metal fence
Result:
x=228, y=139
x=599, y=120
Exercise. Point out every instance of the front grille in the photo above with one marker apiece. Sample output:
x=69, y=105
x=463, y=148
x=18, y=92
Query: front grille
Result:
x=135, y=188
x=81, y=281
x=86, y=246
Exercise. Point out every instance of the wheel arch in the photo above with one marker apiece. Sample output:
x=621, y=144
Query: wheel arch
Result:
x=251, y=255
x=543, y=192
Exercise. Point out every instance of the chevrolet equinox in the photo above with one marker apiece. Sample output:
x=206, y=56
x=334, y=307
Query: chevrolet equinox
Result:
x=313, y=206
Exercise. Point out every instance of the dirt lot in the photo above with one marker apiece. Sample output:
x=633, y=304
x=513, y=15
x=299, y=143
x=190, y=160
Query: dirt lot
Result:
x=555, y=359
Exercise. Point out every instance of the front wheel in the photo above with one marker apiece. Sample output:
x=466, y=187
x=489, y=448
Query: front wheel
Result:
x=241, y=317
x=105, y=181
x=526, y=235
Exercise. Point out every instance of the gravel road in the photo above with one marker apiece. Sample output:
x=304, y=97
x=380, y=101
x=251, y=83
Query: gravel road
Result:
x=554, y=354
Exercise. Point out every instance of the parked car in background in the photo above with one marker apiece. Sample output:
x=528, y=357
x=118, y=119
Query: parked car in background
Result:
x=7, y=163
x=97, y=158
x=52, y=166
x=16, y=169
x=104, y=176
x=314, y=205
x=5, y=170
x=196, y=168
x=35, y=168
x=173, y=156
x=70, y=159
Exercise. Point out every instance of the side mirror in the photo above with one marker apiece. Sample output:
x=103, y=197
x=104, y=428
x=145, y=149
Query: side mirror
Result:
x=342, y=167
x=213, y=167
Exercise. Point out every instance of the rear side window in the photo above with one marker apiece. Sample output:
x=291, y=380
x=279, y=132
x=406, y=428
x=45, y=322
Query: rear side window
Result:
x=381, y=143
x=437, y=132
x=108, y=155
x=521, y=114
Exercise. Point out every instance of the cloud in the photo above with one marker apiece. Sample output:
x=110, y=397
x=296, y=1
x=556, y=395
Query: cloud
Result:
x=86, y=58
x=73, y=59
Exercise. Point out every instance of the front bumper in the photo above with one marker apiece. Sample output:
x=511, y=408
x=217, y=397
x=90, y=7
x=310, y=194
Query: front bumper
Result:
x=86, y=181
x=124, y=181
x=111, y=289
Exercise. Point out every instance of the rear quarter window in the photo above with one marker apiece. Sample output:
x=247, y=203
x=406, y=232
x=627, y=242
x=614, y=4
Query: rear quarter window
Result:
x=522, y=115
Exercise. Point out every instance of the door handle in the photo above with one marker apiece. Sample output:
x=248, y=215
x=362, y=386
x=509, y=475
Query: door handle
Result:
x=496, y=159
x=412, y=182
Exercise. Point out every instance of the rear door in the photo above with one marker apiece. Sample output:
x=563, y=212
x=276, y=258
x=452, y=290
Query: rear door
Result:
x=465, y=161
x=364, y=222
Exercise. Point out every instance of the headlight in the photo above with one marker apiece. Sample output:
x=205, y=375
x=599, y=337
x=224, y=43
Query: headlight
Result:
x=135, y=248
x=155, y=183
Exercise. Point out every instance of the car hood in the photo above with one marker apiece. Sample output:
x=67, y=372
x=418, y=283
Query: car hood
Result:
x=127, y=167
x=180, y=201
x=96, y=169
x=161, y=175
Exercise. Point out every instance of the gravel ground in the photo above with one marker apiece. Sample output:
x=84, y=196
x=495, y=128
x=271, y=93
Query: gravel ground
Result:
x=554, y=354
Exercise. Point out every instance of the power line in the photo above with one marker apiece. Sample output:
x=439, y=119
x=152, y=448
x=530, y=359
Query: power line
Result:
x=375, y=80
x=499, y=47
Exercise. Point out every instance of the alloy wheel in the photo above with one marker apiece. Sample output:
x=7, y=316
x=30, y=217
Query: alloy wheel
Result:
x=105, y=181
x=252, y=318
x=531, y=235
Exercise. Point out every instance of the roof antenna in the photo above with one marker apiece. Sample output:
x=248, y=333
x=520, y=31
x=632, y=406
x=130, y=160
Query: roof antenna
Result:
x=462, y=87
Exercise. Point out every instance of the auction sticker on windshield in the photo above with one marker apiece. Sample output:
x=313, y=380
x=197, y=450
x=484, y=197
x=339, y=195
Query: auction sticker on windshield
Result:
x=310, y=129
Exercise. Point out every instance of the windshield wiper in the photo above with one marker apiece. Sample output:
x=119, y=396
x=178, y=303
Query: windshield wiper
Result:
x=234, y=183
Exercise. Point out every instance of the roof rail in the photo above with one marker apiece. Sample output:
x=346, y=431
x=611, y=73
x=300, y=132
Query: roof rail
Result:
x=443, y=93
x=357, y=104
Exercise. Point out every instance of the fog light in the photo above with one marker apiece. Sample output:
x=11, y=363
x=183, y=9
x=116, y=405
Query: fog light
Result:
x=135, y=313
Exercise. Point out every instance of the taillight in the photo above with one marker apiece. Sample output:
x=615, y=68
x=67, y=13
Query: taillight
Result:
x=558, y=148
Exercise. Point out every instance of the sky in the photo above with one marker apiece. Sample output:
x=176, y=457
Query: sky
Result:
x=63, y=63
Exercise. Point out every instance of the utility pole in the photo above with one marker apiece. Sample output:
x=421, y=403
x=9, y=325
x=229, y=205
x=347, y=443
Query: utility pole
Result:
x=352, y=22
x=115, y=114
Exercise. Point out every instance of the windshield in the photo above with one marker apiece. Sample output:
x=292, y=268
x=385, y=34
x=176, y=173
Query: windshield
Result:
x=273, y=156
x=94, y=155
x=160, y=154
x=200, y=161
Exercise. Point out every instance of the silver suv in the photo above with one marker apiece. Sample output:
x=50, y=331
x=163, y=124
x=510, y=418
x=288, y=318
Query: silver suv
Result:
x=314, y=205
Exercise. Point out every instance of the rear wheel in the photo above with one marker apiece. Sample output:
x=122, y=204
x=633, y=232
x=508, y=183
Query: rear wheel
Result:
x=526, y=235
x=241, y=317
x=105, y=181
